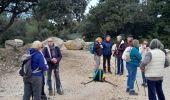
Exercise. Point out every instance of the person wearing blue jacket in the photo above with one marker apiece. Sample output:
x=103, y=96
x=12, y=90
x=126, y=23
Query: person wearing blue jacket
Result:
x=107, y=52
x=132, y=65
x=33, y=85
x=53, y=56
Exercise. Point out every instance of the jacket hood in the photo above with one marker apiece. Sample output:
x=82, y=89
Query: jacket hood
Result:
x=32, y=50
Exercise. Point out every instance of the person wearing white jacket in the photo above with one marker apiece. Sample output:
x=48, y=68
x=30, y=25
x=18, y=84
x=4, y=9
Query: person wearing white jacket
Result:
x=153, y=65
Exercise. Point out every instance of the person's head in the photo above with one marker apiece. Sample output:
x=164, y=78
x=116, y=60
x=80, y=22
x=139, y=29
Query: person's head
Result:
x=50, y=41
x=130, y=39
x=156, y=44
x=135, y=43
x=108, y=38
x=99, y=39
x=119, y=38
x=145, y=44
x=37, y=45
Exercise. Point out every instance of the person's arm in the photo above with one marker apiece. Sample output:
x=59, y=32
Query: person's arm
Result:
x=96, y=46
x=45, y=52
x=42, y=64
x=122, y=47
x=59, y=55
x=146, y=60
x=166, y=62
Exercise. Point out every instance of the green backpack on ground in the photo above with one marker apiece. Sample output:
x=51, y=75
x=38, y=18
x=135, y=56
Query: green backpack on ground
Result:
x=98, y=76
x=91, y=49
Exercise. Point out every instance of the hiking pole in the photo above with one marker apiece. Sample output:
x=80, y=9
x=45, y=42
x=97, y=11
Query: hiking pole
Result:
x=54, y=81
x=137, y=84
x=115, y=66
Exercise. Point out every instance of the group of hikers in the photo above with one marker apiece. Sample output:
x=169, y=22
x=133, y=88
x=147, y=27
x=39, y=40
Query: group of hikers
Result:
x=151, y=58
x=42, y=59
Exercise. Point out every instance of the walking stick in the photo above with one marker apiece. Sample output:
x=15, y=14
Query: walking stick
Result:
x=115, y=65
x=54, y=82
x=137, y=84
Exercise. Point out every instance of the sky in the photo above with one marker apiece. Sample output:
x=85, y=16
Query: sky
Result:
x=92, y=3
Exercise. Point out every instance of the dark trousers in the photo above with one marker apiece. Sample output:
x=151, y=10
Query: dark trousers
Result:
x=120, y=65
x=32, y=85
x=155, y=87
x=106, y=59
x=43, y=84
x=57, y=78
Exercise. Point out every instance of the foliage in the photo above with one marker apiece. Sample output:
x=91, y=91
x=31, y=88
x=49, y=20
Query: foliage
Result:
x=116, y=17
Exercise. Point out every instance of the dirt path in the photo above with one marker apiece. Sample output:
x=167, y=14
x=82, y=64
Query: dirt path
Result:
x=76, y=67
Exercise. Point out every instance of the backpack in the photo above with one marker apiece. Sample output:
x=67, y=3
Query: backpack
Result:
x=25, y=68
x=126, y=54
x=91, y=49
x=98, y=76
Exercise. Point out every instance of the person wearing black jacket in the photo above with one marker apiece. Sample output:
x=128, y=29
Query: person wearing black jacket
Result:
x=98, y=51
x=53, y=56
x=120, y=47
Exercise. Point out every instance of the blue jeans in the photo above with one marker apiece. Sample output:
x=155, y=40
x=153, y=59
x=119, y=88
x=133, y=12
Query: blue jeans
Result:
x=57, y=78
x=120, y=65
x=155, y=87
x=132, y=71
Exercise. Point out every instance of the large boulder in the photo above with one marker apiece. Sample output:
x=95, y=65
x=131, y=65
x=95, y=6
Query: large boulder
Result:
x=57, y=41
x=76, y=44
x=16, y=43
x=87, y=45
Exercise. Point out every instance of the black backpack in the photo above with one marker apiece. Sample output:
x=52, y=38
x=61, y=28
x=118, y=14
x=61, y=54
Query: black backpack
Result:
x=25, y=68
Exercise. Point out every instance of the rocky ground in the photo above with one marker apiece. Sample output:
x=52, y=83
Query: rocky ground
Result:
x=76, y=67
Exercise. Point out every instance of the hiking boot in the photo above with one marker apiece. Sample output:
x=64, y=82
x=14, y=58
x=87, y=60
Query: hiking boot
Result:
x=44, y=97
x=104, y=71
x=60, y=92
x=127, y=90
x=50, y=92
x=132, y=92
x=121, y=74
x=110, y=72
x=144, y=84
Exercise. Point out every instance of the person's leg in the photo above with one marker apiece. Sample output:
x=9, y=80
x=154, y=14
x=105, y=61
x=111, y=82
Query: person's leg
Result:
x=122, y=66
x=144, y=79
x=108, y=63
x=104, y=63
x=43, y=84
x=58, y=82
x=118, y=65
x=49, y=81
x=133, y=73
x=27, y=90
x=97, y=61
x=133, y=76
x=159, y=90
x=151, y=90
x=36, y=87
x=128, y=79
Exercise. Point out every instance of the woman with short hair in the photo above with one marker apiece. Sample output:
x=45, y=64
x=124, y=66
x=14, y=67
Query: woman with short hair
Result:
x=143, y=49
x=33, y=84
x=98, y=51
x=132, y=67
x=153, y=65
